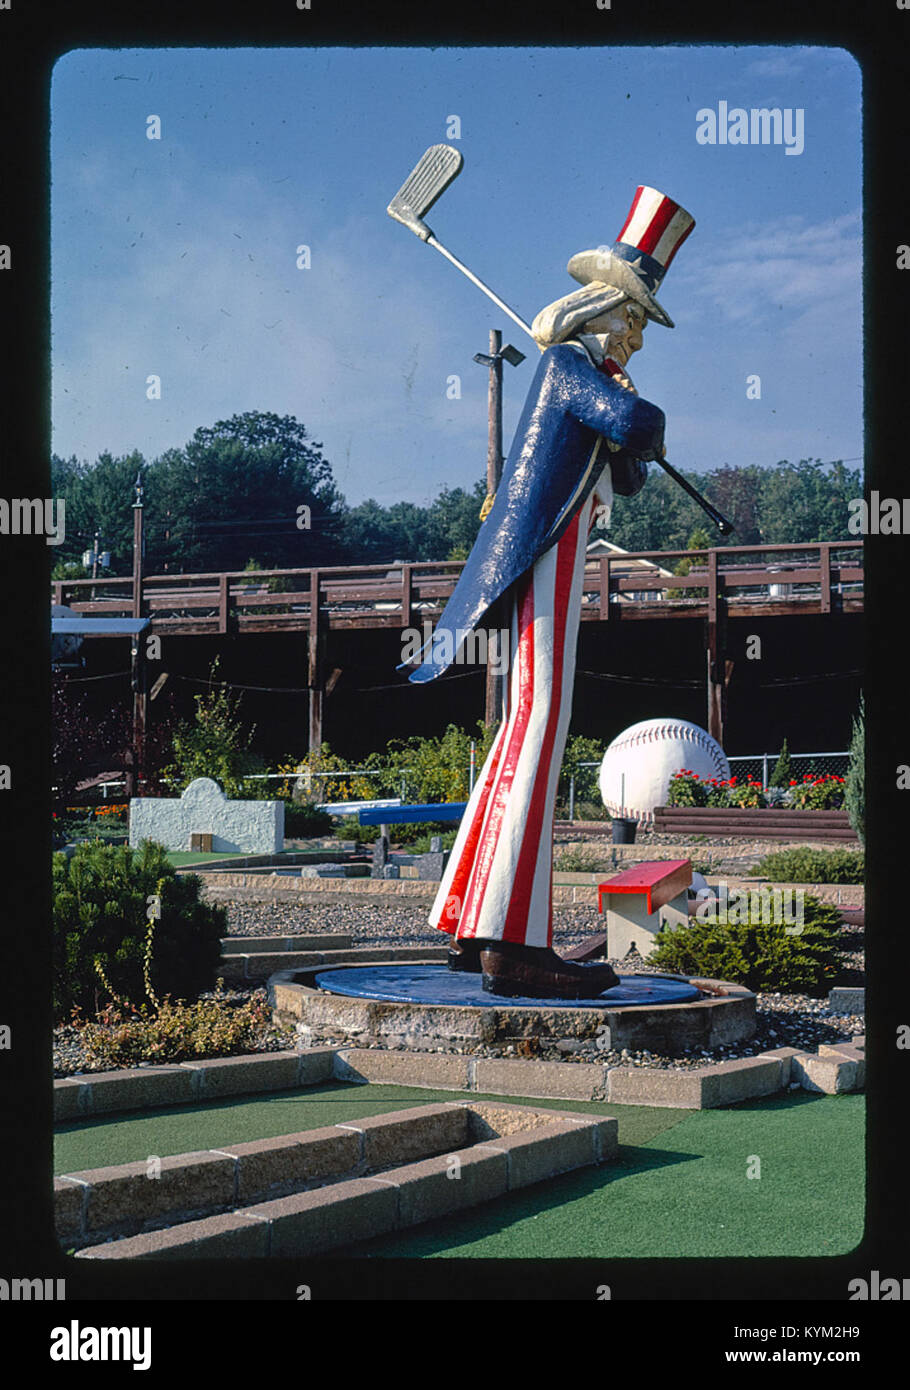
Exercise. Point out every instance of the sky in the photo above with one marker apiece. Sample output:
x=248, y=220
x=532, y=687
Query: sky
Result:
x=178, y=257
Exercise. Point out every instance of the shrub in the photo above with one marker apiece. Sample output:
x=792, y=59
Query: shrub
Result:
x=432, y=769
x=416, y=835
x=312, y=783
x=100, y=915
x=173, y=1032
x=420, y=844
x=580, y=749
x=302, y=821
x=824, y=793
x=761, y=956
x=855, y=782
x=349, y=828
x=582, y=859
x=812, y=866
x=782, y=773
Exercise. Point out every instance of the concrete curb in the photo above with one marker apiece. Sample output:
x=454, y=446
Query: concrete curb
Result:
x=146, y=1088
x=836, y=1068
x=311, y=1192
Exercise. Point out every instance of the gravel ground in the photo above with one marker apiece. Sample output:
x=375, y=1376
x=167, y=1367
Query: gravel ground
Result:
x=784, y=1020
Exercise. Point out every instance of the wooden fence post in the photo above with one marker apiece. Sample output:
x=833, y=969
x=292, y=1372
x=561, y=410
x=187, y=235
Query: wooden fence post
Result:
x=315, y=642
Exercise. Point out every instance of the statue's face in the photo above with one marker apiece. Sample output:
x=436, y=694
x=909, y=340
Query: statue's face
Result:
x=620, y=330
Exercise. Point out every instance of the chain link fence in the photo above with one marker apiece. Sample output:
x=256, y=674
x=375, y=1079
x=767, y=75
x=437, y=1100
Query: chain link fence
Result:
x=581, y=788
x=762, y=765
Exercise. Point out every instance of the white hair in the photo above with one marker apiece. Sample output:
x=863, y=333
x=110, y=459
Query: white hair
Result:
x=558, y=321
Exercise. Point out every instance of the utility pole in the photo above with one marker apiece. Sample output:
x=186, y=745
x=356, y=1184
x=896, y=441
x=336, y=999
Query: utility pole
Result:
x=496, y=619
x=137, y=655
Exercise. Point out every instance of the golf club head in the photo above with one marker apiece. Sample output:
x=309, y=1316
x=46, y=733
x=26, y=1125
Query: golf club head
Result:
x=429, y=178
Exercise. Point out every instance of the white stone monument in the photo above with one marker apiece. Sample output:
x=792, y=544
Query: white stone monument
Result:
x=236, y=827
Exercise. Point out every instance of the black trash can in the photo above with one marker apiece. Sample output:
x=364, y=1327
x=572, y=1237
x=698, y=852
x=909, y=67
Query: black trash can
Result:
x=623, y=830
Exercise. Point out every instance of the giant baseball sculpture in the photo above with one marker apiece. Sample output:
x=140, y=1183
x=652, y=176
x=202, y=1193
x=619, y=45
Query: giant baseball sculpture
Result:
x=640, y=763
x=583, y=434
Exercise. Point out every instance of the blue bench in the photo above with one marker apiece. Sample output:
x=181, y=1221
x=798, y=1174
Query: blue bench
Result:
x=400, y=815
x=429, y=866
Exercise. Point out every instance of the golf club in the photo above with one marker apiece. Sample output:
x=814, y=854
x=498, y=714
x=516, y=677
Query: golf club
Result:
x=430, y=177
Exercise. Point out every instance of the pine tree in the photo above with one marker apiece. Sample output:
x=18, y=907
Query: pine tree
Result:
x=781, y=775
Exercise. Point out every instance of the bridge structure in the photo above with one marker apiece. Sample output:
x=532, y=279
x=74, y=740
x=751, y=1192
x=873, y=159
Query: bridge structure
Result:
x=723, y=586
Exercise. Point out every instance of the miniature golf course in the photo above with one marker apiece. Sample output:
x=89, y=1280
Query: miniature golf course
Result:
x=678, y=1189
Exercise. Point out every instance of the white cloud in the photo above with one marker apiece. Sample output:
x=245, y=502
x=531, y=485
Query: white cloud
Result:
x=783, y=64
x=809, y=272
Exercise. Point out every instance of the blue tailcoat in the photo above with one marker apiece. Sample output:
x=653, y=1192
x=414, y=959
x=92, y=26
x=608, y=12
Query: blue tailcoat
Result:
x=551, y=468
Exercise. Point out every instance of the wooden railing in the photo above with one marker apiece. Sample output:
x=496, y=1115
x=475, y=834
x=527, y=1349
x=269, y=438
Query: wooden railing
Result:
x=772, y=579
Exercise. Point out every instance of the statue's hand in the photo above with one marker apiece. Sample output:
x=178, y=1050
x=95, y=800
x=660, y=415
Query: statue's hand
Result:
x=628, y=473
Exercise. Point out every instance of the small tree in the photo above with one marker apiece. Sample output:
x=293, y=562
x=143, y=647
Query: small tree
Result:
x=68, y=569
x=581, y=749
x=781, y=775
x=699, y=540
x=855, y=784
x=214, y=744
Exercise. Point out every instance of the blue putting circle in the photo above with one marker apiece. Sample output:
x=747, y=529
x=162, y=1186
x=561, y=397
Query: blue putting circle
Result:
x=436, y=984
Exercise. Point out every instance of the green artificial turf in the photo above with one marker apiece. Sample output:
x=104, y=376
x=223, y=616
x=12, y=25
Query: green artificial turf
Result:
x=180, y=858
x=685, y=1193
x=678, y=1189
x=176, y=1129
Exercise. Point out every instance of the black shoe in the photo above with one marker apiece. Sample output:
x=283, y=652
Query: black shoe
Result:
x=464, y=955
x=537, y=972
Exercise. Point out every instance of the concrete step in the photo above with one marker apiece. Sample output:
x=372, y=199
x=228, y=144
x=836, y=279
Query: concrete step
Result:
x=301, y=1194
x=312, y=941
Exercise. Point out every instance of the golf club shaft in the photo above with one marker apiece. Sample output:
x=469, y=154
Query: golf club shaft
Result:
x=723, y=525
x=431, y=241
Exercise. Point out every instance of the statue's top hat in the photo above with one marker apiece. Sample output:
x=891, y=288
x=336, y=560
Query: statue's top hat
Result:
x=652, y=234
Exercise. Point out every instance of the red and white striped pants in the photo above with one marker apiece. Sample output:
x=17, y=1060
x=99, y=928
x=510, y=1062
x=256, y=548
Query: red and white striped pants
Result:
x=498, y=881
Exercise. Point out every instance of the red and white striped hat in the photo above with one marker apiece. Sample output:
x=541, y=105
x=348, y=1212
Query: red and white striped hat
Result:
x=652, y=234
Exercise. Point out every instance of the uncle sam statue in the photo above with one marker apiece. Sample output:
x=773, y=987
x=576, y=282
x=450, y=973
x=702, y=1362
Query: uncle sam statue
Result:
x=584, y=434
